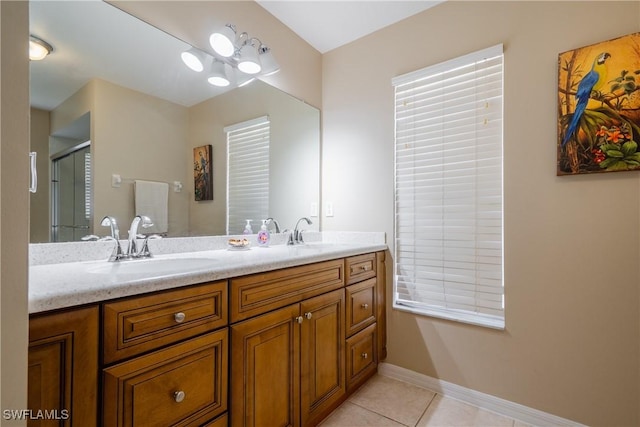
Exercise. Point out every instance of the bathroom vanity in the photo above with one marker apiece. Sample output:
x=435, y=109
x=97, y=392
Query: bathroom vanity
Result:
x=275, y=336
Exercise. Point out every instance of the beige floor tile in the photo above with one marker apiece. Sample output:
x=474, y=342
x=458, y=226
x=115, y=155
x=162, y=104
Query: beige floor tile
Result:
x=352, y=415
x=397, y=400
x=449, y=412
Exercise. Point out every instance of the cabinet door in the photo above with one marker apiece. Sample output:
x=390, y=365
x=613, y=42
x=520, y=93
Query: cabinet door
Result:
x=265, y=370
x=322, y=355
x=63, y=368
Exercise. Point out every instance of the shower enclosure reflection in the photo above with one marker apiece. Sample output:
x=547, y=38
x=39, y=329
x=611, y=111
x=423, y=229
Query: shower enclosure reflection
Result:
x=71, y=194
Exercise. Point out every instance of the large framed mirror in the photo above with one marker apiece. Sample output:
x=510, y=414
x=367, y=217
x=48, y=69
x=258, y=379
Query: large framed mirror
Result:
x=116, y=86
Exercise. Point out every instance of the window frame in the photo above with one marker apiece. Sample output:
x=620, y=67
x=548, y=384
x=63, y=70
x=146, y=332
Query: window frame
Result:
x=433, y=309
x=261, y=187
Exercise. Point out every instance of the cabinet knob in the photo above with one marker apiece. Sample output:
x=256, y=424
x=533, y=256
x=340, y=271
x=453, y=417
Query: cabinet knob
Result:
x=179, y=396
x=299, y=319
x=363, y=267
x=365, y=306
x=364, y=355
x=179, y=317
x=308, y=315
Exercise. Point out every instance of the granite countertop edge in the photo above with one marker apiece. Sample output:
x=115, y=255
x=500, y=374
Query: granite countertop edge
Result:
x=71, y=284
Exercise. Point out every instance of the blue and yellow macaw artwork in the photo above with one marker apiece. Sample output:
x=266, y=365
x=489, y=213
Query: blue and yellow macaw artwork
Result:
x=593, y=81
x=599, y=107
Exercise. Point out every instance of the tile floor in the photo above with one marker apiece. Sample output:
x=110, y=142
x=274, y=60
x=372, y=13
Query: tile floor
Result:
x=384, y=401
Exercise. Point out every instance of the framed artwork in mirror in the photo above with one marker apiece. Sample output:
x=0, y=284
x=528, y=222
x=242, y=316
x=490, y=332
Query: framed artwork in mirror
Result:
x=599, y=107
x=202, y=173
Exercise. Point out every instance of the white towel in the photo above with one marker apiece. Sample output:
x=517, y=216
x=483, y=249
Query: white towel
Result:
x=152, y=200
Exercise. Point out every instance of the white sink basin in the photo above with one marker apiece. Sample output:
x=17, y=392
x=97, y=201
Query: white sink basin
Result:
x=153, y=267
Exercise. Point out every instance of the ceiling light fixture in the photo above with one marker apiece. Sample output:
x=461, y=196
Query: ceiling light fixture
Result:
x=237, y=58
x=219, y=75
x=224, y=40
x=38, y=48
x=194, y=59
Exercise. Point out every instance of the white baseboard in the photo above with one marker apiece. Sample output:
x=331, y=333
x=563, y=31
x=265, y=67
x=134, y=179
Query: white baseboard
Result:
x=500, y=406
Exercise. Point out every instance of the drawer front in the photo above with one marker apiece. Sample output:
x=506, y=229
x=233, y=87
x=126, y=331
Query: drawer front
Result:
x=140, y=324
x=174, y=386
x=360, y=268
x=362, y=358
x=259, y=293
x=361, y=305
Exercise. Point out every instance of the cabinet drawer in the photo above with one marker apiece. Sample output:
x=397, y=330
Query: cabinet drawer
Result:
x=360, y=268
x=259, y=293
x=140, y=324
x=361, y=305
x=177, y=386
x=362, y=358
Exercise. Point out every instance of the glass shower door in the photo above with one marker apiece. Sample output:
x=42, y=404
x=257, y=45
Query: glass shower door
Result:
x=71, y=207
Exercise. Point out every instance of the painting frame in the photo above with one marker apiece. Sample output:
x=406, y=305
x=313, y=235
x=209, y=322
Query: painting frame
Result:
x=203, y=173
x=599, y=107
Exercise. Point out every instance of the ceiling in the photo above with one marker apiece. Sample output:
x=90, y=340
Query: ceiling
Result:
x=93, y=39
x=328, y=24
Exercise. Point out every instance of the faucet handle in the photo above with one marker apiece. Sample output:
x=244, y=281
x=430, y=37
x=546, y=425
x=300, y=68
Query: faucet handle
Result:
x=144, y=251
x=117, y=253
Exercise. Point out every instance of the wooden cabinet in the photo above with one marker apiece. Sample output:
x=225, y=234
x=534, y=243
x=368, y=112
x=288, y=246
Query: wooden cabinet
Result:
x=301, y=340
x=63, y=368
x=181, y=385
x=365, y=345
x=173, y=352
x=288, y=365
x=137, y=325
x=280, y=348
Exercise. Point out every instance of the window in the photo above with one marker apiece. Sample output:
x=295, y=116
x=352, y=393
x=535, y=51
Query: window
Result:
x=247, y=173
x=448, y=190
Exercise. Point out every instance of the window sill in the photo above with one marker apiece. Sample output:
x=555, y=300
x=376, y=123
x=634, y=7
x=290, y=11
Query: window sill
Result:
x=486, y=321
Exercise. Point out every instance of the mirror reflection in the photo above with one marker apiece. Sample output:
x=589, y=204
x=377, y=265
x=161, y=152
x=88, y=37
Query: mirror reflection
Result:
x=98, y=132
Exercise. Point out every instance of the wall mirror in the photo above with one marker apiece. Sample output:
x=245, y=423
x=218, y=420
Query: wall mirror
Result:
x=115, y=88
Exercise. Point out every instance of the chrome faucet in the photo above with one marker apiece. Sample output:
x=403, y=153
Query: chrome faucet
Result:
x=296, y=236
x=139, y=220
x=275, y=223
x=117, y=254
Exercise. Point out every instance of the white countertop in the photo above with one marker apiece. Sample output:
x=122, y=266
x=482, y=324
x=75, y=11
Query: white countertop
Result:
x=66, y=284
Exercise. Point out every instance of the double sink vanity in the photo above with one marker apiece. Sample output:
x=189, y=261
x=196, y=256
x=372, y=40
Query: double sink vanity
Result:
x=200, y=335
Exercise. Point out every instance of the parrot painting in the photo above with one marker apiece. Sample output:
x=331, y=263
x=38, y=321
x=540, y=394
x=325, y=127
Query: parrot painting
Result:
x=593, y=81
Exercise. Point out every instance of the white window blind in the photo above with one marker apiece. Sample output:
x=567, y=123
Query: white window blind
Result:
x=247, y=174
x=448, y=190
x=87, y=186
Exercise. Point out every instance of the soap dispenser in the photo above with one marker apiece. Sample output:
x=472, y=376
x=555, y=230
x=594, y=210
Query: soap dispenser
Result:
x=247, y=228
x=263, y=235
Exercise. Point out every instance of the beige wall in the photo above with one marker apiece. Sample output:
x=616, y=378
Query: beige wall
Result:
x=294, y=152
x=40, y=227
x=14, y=205
x=136, y=136
x=572, y=341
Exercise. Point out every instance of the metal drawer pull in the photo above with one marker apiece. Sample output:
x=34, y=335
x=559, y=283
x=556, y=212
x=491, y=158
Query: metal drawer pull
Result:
x=365, y=306
x=179, y=396
x=308, y=315
x=299, y=319
x=363, y=267
x=179, y=317
x=365, y=355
